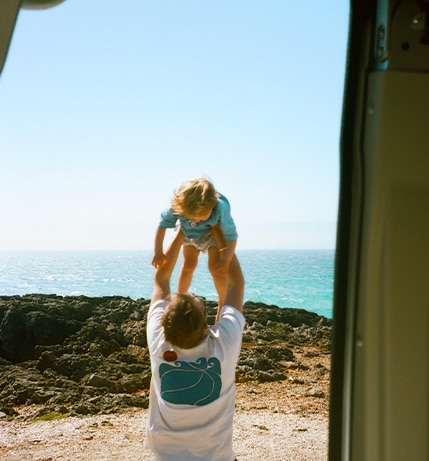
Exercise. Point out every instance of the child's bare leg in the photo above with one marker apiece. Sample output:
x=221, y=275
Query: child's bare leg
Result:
x=220, y=280
x=189, y=263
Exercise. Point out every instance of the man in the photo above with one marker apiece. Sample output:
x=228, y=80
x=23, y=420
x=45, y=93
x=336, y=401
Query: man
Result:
x=192, y=393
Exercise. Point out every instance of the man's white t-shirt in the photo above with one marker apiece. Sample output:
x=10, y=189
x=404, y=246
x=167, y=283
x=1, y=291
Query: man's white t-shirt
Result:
x=192, y=400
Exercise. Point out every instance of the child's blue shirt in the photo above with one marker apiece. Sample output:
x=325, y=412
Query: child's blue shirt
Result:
x=221, y=215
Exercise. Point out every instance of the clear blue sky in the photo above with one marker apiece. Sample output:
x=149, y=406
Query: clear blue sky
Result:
x=107, y=106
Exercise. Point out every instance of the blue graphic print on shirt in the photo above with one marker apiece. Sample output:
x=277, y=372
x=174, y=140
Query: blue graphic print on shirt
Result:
x=191, y=383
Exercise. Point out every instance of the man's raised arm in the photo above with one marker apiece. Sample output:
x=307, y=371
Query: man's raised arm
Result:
x=235, y=290
x=161, y=281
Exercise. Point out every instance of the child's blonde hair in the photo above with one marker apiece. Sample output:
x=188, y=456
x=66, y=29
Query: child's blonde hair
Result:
x=184, y=322
x=195, y=198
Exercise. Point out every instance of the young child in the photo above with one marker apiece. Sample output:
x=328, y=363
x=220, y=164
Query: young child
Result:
x=205, y=220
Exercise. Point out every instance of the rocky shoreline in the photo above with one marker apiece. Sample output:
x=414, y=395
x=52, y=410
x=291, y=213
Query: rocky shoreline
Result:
x=78, y=355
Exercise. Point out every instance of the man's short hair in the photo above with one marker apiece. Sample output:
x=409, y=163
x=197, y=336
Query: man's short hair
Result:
x=184, y=322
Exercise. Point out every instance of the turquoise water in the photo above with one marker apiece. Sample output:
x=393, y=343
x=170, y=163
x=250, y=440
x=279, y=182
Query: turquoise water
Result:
x=285, y=278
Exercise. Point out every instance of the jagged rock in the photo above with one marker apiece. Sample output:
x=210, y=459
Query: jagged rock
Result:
x=89, y=355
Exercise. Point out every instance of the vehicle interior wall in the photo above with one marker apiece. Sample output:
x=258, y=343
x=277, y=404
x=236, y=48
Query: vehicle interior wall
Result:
x=384, y=310
x=391, y=370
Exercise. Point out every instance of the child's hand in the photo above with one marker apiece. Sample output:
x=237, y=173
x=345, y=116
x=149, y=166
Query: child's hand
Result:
x=159, y=261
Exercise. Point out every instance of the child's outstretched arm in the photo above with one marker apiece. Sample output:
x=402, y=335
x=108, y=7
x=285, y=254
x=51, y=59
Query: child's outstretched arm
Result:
x=159, y=259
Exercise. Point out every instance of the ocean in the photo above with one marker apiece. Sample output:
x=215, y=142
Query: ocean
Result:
x=285, y=278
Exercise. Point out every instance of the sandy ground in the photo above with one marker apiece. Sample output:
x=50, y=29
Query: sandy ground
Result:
x=273, y=421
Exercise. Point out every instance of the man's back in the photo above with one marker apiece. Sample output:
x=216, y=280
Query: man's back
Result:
x=192, y=413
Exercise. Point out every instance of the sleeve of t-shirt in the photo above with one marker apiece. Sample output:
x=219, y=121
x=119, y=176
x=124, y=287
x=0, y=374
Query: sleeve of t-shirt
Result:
x=168, y=219
x=226, y=222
